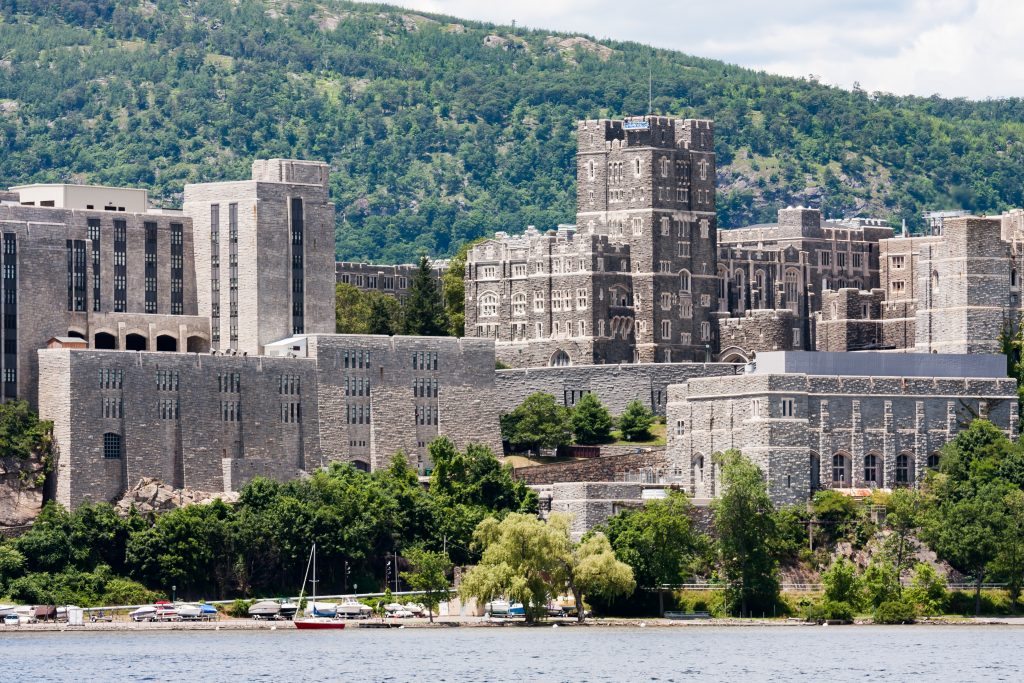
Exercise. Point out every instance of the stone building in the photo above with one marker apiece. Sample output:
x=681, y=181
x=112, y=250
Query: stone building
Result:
x=213, y=422
x=95, y=263
x=645, y=276
x=842, y=420
x=265, y=254
x=634, y=279
x=949, y=292
x=773, y=277
x=387, y=279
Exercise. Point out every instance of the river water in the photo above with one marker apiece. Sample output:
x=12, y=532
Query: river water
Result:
x=863, y=653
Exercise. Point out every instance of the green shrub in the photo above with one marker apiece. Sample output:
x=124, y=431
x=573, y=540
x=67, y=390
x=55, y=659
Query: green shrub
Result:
x=927, y=589
x=239, y=608
x=829, y=610
x=993, y=602
x=899, y=611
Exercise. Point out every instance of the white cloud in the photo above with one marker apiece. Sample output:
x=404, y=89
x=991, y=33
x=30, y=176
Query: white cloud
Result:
x=953, y=47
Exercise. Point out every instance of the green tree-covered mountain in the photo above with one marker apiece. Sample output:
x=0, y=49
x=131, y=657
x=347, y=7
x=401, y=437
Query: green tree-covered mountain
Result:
x=441, y=130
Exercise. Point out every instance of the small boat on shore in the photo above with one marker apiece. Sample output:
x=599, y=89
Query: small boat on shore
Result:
x=144, y=613
x=353, y=609
x=265, y=609
x=316, y=622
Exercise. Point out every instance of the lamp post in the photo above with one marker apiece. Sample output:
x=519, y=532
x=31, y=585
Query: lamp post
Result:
x=174, y=594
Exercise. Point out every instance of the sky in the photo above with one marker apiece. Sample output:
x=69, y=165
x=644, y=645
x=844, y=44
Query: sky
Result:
x=954, y=48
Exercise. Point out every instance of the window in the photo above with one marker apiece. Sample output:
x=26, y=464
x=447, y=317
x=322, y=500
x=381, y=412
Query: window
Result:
x=680, y=427
x=666, y=301
x=838, y=469
x=705, y=331
x=788, y=407
x=666, y=226
x=871, y=470
x=539, y=331
x=897, y=262
x=591, y=171
x=796, y=337
x=113, y=448
x=518, y=270
x=639, y=167
x=705, y=228
x=755, y=407
x=581, y=299
x=538, y=302
x=519, y=304
x=686, y=309
x=582, y=327
x=897, y=286
x=488, y=305
x=705, y=300
x=841, y=259
x=666, y=329
x=933, y=461
x=856, y=260
x=824, y=259
x=902, y=469
x=638, y=226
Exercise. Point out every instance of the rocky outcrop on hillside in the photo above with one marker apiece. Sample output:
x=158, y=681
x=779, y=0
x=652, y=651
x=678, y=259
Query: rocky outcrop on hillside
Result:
x=21, y=490
x=153, y=496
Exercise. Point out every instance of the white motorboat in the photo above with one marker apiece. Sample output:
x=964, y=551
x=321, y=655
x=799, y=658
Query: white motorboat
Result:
x=144, y=613
x=497, y=608
x=7, y=609
x=353, y=609
x=321, y=609
x=190, y=611
x=393, y=607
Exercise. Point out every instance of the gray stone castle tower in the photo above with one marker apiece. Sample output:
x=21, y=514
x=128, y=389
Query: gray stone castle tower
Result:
x=634, y=280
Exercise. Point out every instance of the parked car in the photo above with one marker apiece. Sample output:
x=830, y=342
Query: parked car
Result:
x=12, y=620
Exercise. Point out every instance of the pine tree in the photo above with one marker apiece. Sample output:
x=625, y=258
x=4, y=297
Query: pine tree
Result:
x=424, y=312
x=635, y=422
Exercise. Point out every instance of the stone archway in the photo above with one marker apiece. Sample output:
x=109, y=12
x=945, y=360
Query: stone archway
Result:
x=104, y=340
x=166, y=342
x=136, y=342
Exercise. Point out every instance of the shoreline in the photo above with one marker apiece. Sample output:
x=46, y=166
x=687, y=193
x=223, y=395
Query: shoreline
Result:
x=230, y=624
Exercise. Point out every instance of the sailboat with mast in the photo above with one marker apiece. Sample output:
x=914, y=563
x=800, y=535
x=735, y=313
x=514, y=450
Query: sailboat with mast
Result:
x=316, y=620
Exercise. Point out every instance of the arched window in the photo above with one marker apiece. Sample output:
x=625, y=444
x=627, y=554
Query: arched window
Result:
x=166, y=342
x=560, y=359
x=839, y=469
x=519, y=304
x=488, y=304
x=684, y=281
x=871, y=470
x=113, y=446
x=935, y=281
x=723, y=282
x=759, y=280
x=590, y=169
x=104, y=340
x=903, y=469
x=933, y=461
x=135, y=342
x=1013, y=277
x=638, y=168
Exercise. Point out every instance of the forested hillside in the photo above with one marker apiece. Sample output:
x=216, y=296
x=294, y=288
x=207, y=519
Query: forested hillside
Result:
x=441, y=130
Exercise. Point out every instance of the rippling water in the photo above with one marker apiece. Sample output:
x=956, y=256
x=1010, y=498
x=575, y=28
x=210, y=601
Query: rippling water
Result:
x=961, y=653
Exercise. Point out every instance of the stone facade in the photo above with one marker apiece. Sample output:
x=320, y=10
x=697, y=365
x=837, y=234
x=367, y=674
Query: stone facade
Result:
x=604, y=468
x=949, y=292
x=633, y=280
x=265, y=254
x=817, y=420
x=213, y=422
x=114, y=278
x=789, y=266
x=387, y=279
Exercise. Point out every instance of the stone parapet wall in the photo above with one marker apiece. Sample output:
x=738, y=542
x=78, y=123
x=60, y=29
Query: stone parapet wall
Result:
x=614, y=385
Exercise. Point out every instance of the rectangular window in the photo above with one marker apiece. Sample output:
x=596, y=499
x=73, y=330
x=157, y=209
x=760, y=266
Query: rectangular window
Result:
x=177, y=268
x=755, y=407
x=787, y=407
x=120, y=266
x=94, y=236
x=150, y=267
x=680, y=427
x=666, y=330
x=824, y=258
x=897, y=262
x=581, y=299
x=841, y=259
x=897, y=286
x=856, y=260
x=298, y=241
x=76, y=275
x=705, y=331
x=796, y=337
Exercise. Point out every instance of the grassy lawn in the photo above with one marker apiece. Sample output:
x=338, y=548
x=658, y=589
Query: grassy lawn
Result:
x=657, y=437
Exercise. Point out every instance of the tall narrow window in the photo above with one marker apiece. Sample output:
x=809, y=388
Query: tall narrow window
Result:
x=76, y=275
x=177, y=268
x=120, y=266
x=232, y=273
x=298, y=294
x=150, y=270
x=10, y=315
x=94, y=236
x=215, y=274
